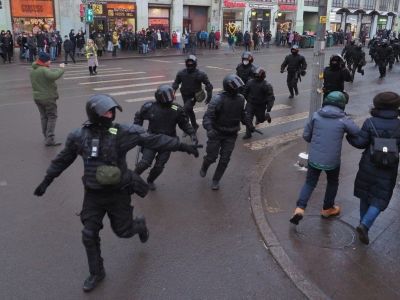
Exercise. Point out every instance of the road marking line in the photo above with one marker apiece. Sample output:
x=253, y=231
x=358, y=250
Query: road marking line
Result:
x=103, y=70
x=159, y=60
x=131, y=85
x=275, y=108
x=272, y=141
x=105, y=75
x=131, y=92
x=86, y=72
x=281, y=120
x=119, y=80
x=213, y=67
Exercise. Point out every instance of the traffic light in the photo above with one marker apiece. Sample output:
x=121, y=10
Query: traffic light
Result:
x=89, y=15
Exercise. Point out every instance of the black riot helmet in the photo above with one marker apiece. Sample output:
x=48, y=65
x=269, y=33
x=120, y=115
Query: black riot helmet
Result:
x=336, y=61
x=191, y=62
x=165, y=94
x=98, y=105
x=259, y=74
x=247, y=56
x=232, y=83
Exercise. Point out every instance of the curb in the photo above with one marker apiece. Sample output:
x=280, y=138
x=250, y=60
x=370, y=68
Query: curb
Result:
x=308, y=288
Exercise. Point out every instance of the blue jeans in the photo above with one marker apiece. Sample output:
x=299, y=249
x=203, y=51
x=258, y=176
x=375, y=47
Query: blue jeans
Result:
x=368, y=213
x=311, y=182
x=53, y=53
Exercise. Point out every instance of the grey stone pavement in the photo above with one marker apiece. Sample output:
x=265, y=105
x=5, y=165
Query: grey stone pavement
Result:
x=324, y=257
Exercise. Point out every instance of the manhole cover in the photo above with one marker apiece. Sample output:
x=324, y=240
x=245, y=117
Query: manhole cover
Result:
x=331, y=233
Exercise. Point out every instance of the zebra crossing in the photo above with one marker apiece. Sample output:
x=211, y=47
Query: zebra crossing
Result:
x=132, y=86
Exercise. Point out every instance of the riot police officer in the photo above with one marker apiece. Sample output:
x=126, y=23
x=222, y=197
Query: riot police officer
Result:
x=348, y=53
x=107, y=180
x=358, y=59
x=383, y=54
x=222, y=123
x=190, y=80
x=335, y=75
x=296, y=66
x=163, y=116
x=245, y=70
x=260, y=98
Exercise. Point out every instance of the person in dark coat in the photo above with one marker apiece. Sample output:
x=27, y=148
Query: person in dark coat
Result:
x=373, y=184
x=68, y=49
x=296, y=66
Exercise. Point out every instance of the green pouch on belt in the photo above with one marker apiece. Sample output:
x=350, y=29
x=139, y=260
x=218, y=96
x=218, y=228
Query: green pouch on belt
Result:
x=108, y=175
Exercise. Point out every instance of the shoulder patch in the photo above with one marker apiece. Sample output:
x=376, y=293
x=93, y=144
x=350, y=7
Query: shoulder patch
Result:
x=113, y=130
x=174, y=107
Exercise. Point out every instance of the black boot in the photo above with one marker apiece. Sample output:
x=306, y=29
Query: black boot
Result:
x=141, y=167
x=91, y=241
x=91, y=70
x=204, y=168
x=139, y=224
x=219, y=171
x=296, y=91
x=362, y=231
x=94, y=70
x=154, y=173
x=248, y=134
x=291, y=93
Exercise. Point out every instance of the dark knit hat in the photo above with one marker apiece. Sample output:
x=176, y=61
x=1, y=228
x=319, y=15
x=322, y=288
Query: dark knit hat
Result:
x=387, y=100
x=44, y=57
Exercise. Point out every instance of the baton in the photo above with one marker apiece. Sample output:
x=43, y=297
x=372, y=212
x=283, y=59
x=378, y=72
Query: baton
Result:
x=258, y=131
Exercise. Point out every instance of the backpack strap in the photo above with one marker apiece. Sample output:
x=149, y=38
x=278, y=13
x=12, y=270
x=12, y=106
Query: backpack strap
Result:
x=373, y=127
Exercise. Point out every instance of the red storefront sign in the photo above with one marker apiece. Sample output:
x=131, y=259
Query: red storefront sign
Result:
x=233, y=4
x=153, y=22
x=284, y=7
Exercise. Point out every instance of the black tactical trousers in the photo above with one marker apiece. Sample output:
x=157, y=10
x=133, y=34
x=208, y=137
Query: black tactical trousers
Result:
x=382, y=67
x=291, y=80
x=252, y=111
x=96, y=204
x=188, y=105
x=147, y=159
x=222, y=145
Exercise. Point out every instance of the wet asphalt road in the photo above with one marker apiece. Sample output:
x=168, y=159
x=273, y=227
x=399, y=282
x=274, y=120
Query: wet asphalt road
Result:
x=203, y=244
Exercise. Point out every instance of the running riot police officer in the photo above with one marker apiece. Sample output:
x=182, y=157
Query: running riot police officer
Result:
x=245, y=70
x=260, y=98
x=163, y=116
x=222, y=123
x=335, y=75
x=190, y=80
x=296, y=66
x=107, y=180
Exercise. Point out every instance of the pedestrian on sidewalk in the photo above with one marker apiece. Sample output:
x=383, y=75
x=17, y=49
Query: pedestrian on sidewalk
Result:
x=374, y=183
x=45, y=95
x=324, y=132
x=108, y=183
x=91, y=56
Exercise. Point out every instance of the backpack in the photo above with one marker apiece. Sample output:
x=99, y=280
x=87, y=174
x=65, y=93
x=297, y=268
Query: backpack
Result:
x=384, y=152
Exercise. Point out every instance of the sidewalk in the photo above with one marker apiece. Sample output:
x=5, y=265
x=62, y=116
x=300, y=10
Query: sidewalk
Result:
x=324, y=258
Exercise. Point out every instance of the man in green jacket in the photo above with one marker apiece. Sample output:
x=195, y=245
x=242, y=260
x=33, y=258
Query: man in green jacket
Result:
x=43, y=80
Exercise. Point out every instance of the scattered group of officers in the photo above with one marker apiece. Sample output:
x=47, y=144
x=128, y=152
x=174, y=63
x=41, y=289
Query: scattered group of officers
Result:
x=103, y=144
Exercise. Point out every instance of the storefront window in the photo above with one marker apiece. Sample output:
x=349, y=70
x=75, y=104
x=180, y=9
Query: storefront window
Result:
x=31, y=16
x=159, y=18
x=121, y=16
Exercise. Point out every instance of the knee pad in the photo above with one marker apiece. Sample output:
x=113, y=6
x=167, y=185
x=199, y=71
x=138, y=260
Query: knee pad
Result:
x=90, y=237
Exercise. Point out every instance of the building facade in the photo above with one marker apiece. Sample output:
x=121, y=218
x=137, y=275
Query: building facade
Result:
x=356, y=16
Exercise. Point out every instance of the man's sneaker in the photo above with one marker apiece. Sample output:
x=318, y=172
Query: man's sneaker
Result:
x=152, y=186
x=92, y=281
x=330, y=212
x=362, y=231
x=297, y=216
x=215, y=185
x=142, y=229
x=291, y=97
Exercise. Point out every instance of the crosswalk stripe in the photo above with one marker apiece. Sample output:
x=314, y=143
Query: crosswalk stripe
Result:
x=159, y=60
x=131, y=92
x=213, y=67
x=104, y=75
x=131, y=85
x=103, y=72
x=272, y=141
x=68, y=72
x=119, y=80
x=275, y=108
x=281, y=120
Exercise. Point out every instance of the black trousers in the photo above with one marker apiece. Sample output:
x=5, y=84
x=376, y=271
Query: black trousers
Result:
x=223, y=146
x=188, y=105
x=291, y=81
x=117, y=206
x=147, y=159
x=70, y=55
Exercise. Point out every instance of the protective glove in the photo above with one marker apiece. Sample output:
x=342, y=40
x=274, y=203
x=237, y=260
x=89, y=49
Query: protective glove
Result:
x=282, y=71
x=194, y=139
x=303, y=73
x=41, y=189
x=190, y=149
x=139, y=186
x=208, y=99
x=212, y=134
x=268, y=117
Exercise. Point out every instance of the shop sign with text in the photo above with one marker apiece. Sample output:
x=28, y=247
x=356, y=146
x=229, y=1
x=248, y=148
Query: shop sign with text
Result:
x=285, y=7
x=234, y=4
x=29, y=8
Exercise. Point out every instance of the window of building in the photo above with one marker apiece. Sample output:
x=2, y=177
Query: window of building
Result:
x=354, y=3
x=311, y=2
x=384, y=5
x=337, y=3
x=396, y=5
x=369, y=4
